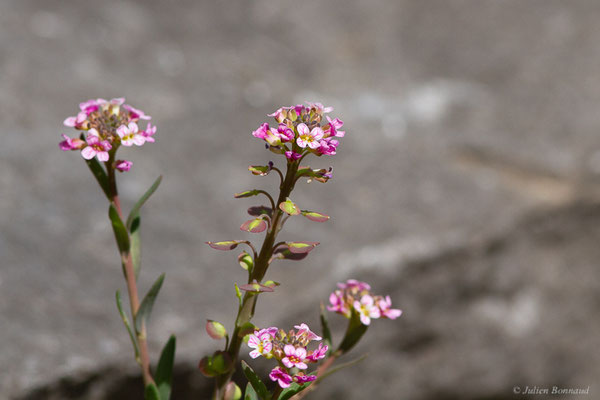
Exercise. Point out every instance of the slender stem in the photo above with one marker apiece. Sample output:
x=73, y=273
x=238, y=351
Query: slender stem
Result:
x=261, y=264
x=269, y=197
x=280, y=174
x=132, y=290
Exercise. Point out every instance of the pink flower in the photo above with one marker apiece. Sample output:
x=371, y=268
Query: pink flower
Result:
x=353, y=283
x=123, y=165
x=320, y=107
x=70, y=144
x=149, y=132
x=279, y=115
x=95, y=147
x=76, y=121
x=261, y=132
x=332, y=128
x=134, y=113
x=117, y=101
x=301, y=378
x=303, y=329
x=295, y=357
x=338, y=303
x=308, y=137
x=282, y=377
x=328, y=146
x=261, y=342
x=319, y=353
x=129, y=135
x=292, y=155
x=385, y=307
x=367, y=309
x=89, y=106
x=285, y=133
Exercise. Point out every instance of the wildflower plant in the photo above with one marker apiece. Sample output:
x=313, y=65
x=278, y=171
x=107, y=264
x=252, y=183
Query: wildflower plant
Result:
x=300, y=358
x=103, y=127
x=298, y=132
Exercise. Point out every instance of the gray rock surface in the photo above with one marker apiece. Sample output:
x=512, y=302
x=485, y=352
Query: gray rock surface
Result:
x=464, y=119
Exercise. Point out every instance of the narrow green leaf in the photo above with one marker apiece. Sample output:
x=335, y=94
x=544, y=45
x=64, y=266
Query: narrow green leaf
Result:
x=164, y=370
x=257, y=384
x=143, y=313
x=135, y=247
x=127, y=325
x=326, y=332
x=354, y=333
x=121, y=234
x=250, y=394
x=99, y=173
x=151, y=392
x=136, y=208
x=292, y=390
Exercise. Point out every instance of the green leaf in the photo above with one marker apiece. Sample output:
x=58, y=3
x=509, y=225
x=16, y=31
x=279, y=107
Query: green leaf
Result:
x=99, y=173
x=292, y=390
x=247, y=193
x=289, y=207
x=121, y=234
x=250, y=394
x=136, y=208
x=143, y=313
x=164, y=370
x=151, y=392
x=127, y=325
x=135, y=246
x=354, y=333
x=257, y=384
x=326, y=332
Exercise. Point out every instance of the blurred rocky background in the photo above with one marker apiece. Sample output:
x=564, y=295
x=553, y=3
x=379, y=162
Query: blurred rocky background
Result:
x=467, y=187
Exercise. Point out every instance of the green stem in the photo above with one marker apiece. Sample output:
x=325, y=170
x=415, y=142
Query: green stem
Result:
x=261, y=264
x=132, y=290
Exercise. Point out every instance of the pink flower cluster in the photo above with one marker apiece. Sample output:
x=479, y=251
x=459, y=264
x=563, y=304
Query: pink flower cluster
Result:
x=355, y=297
x=299, y=131
x=290, y=350
x=107, y=125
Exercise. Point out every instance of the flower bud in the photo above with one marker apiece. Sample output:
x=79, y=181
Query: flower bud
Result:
x=215, y=329
x=232, y=392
